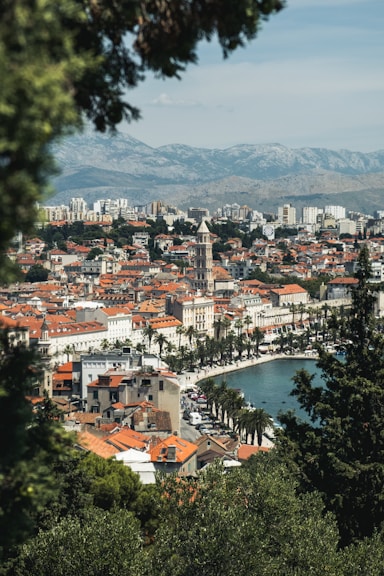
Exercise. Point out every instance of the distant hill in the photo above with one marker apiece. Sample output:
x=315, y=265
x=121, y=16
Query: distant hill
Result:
x=263, y=176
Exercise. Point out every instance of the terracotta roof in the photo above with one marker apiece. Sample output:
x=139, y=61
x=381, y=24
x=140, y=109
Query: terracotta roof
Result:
x=96, y=445
x=345, y=281
x=245, y=451
x=184, y=449
x=289, y=289
x=126, y=438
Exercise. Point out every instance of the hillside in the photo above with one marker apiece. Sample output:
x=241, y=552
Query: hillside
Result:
x=262, y=176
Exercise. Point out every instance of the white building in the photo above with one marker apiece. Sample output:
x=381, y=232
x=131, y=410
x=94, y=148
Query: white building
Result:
x=196, y=311
x=338, y=212
x=116, y=319
x=310, y=214
x=286, y=215
x=346, y=226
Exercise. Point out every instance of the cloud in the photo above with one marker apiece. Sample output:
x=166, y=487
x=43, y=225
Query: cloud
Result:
x=313, y=77
x=165, y=100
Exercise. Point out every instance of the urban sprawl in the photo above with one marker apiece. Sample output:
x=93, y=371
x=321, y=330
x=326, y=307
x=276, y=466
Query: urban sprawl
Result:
x=130, y=306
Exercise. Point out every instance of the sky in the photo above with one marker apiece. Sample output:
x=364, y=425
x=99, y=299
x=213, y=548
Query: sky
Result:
x=313, y=77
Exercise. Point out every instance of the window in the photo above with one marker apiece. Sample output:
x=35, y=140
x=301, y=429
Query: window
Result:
x=150, y=397
x=95, y=394
x=161, y=385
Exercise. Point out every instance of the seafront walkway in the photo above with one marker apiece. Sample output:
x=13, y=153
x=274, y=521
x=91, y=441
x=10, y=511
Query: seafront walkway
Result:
x=191, y=379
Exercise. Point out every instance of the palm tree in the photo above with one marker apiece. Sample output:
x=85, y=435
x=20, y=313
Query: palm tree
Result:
x=211, y=348
x=301, y=309
x=281, y=341
x=260, y=421
x=230, y=344
x=217, y=326
x=105, y=344
x=180, y=330
x=220, y=397
x=242, y=423
x=208, y=387
x=68, y=350
x=201, y=352
x=239, y=326
x=239, y=343
x=226, y=324
x=293, y=309
x=170, y=347
x=149, y=332
x=257, y=337
x=233, y=403
x=161, y=340
x=191, y=333
x=247, y=321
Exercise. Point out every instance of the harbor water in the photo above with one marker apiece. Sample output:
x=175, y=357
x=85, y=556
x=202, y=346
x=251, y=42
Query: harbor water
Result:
x=268, y=385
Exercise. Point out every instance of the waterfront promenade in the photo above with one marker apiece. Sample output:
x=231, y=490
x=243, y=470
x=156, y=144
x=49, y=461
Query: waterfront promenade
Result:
x=191, y=379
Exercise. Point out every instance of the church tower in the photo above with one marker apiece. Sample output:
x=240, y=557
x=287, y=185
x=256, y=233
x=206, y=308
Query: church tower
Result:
x=203, y=262
x=43, y=346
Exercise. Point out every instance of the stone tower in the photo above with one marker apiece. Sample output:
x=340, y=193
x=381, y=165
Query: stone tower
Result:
x=203, y=261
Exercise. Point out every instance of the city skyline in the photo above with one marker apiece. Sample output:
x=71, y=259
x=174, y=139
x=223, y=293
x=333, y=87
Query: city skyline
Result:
x=312, y=78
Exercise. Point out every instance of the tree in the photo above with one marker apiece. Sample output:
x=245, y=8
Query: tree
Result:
x=100, y=543
x=341, y=451
x=94, y=253
x=180, y=331
x=37, y=273
x=191, y=333
x=161, y=341
x=250, y=521
x=259, y=420
x=113, y=485
x=62, y=63
x=32, y=443
x=233, y=402
x=239, y=326
x=257, y=337
x=68, y=351
x=149, y=332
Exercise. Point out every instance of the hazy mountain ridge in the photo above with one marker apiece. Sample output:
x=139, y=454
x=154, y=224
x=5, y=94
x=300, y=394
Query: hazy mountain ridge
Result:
x=262, y=175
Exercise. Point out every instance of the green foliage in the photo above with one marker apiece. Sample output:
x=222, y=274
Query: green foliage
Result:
x=32, y=442
x=113, y=485
x=61, y=63
x=184, y=228
x=37, y=273
x=342, y=452
x=101, y=543
x=248, y=521
x=312, y=285
x=93, y=253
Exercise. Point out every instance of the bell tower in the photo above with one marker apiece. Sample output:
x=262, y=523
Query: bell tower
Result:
x=203, y=261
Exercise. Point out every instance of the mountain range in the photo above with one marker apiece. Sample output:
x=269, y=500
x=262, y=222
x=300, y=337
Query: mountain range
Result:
x=262, y=176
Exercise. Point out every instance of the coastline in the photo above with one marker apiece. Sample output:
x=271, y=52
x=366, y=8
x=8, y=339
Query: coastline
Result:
x=192, y=379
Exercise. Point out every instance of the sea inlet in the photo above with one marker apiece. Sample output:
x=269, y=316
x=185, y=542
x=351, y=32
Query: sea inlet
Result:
x=268, y=385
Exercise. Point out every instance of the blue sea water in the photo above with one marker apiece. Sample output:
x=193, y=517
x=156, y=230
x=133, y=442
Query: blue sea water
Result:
x=268, y=385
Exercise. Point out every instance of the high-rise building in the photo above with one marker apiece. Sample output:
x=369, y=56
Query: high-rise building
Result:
x=286, y=215
x=310, y=214
x=78, y=205
x=338, y=212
